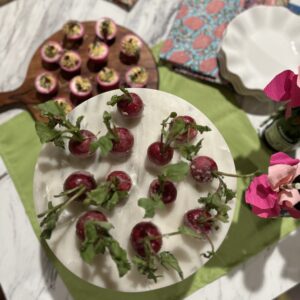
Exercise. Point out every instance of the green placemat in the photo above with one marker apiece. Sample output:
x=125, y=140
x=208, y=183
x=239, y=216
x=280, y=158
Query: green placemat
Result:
x=19, y=148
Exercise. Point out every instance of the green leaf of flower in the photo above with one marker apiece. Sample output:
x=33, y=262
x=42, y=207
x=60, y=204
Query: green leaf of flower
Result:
x=168, y=260
x=176, y=172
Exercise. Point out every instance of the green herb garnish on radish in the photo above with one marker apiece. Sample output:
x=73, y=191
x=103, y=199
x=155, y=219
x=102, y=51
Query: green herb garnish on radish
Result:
x=162, y=190
x=130, y=105
x=92, y=230
x=146, y=241
x=81, y=186
x=117, y=140
x=59, y=128
x=108, y=194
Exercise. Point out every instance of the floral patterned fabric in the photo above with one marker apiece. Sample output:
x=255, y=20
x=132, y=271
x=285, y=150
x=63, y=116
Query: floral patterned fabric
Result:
x=195, y=37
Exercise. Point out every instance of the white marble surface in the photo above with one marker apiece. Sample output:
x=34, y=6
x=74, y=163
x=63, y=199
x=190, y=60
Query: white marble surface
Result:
x=25, y=24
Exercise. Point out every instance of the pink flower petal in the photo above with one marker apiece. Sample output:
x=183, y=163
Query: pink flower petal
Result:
x=292, y=196
x=295, y=213
x=282, y=158
x=295, y=92
x=266, y=213
x=279, y=88
x=260, y=194
x=280, y=175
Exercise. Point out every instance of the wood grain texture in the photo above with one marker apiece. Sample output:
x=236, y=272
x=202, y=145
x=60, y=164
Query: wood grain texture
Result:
x=26, y=94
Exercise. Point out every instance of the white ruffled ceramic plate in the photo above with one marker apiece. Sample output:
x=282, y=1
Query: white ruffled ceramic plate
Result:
x=260, y=43
x=54, y=165
x=236, y=81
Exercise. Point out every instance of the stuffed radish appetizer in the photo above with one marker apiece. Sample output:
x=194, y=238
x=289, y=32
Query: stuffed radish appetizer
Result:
x=136, y=77
x=46, y=84
x=130, y=49
x=106, y=30
x=108, y=79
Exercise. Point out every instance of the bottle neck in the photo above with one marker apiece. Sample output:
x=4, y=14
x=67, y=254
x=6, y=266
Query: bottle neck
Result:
x=291, y=126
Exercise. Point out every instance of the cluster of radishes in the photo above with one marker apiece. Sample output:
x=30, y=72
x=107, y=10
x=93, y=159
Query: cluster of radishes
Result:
x=178, y=133
x=64, y=56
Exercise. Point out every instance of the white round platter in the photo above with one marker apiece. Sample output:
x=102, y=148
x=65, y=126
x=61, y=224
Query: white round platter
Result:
x=54, y=165
x=260, y=43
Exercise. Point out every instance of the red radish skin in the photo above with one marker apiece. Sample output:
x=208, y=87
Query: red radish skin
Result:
x=202, y=168
x=122, y=179
x=46, y=91
x=168, y=190
x=125, y=143
x=191, y=132
x=141, y=231
x=80, y=178
x=131, y=109
x=82, y=149
x=159, y=154
x=191, y=218
x=92, y=215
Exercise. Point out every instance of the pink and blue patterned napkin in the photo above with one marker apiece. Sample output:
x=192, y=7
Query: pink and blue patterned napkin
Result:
x=194, y=40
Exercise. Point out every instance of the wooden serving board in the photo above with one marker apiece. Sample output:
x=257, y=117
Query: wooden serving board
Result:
x=27, y=96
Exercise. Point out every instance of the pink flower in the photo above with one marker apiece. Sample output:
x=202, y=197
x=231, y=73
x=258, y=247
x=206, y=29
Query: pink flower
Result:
x=268, y=194
x=285, y=86
x=282, y=172
x=262, y=198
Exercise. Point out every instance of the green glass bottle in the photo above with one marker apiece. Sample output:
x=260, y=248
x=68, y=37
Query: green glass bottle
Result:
x=284, y=134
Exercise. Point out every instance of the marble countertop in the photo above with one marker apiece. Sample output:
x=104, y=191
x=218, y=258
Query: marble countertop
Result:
x=25, y=25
